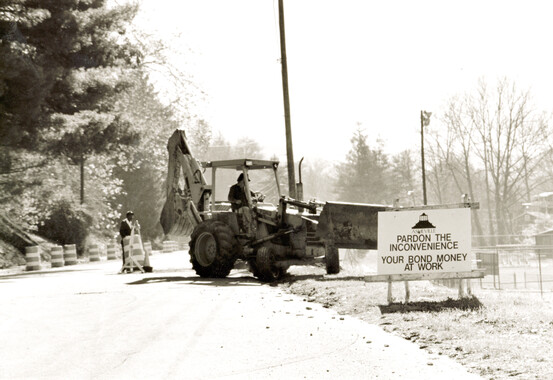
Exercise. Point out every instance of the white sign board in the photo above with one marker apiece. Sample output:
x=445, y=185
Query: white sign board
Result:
x=424, y=241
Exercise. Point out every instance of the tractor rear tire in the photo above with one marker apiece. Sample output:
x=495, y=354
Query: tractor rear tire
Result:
x=265, y=266
x=332, y=260
x=213, y=249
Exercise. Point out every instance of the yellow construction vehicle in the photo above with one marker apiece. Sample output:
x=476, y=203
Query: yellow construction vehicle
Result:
x=271, y=238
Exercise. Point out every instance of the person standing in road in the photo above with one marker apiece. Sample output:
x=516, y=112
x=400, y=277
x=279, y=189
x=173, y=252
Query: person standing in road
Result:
x=125, y=230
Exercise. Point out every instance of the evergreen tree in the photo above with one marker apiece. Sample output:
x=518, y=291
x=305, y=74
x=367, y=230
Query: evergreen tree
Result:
x=66, y=63
x=63, y=66
x=200, y=137
x=363, y=177
x=318, y=179
x=403, y=180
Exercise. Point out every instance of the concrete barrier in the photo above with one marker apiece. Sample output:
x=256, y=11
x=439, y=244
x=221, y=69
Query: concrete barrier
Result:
x=56, y=254
x=32, y=257
x=93, y=253
x=70, y=254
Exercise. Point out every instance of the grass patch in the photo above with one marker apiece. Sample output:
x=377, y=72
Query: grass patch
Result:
x=496, y=334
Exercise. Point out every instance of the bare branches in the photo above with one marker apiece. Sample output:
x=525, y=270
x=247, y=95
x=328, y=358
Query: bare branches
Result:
x=495, y=138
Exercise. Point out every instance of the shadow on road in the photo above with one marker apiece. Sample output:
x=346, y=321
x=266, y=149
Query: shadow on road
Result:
x=291, y=278
x=471, y=303
x=41, y=272
x=195, y=280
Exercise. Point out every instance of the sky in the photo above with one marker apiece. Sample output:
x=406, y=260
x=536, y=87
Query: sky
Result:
x=352, y=64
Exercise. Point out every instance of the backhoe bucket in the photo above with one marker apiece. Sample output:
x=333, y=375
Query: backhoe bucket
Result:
x=186, y=188
x=350, y=225
x=179, y=216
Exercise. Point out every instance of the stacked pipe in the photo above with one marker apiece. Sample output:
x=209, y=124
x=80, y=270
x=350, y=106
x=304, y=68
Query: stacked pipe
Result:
x=168, y=246
x=32, y=257
x=112, y=251
x=70, y=254
x=67, y=254
x=93, y=252
x=56, y=254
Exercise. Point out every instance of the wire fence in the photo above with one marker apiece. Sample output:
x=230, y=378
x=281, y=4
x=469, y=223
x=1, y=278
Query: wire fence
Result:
x=516, y=266
x=506, y=267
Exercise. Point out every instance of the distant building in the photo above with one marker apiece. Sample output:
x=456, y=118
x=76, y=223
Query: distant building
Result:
x=544, y=241
x=536, y=214
x=528, y=218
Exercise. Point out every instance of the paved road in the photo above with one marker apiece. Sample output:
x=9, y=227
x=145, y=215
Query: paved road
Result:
x=88, y=322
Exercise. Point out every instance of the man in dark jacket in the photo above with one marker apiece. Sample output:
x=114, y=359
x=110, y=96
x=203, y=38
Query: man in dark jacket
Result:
x=125, y=230
x=237, y=194
x=239, y=204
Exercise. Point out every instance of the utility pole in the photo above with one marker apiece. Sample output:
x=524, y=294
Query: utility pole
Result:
x=289, y=149
x=81, y=168
x=425, y=120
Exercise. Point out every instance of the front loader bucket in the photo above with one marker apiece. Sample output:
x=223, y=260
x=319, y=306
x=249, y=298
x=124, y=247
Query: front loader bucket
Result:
x=350, y=225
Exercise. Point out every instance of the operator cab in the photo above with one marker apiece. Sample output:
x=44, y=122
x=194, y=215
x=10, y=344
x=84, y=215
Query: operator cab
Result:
x=256, y=170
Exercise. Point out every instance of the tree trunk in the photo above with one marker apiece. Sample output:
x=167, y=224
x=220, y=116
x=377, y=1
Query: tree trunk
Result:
x=493, y=239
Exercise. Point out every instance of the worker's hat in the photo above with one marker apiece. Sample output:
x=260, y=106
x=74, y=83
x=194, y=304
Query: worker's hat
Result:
x=130, y=213
x=241, y=177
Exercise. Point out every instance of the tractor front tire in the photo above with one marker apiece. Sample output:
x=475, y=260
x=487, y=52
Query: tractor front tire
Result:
x=332, y=260
x=265, y=268
x=213, y=248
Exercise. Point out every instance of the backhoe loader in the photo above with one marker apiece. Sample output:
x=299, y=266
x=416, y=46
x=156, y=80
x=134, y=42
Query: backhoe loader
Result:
x=272, y=238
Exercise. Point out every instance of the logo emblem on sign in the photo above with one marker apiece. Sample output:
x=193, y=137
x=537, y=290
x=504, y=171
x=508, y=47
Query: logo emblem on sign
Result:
x=423, y=223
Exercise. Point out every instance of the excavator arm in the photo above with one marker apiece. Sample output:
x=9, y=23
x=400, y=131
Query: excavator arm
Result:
x=187, y=192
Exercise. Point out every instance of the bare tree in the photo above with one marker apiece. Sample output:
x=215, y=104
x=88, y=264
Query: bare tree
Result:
x=495, y=140
x=493, y=148
x=512, y=137
x=460, y=129
x=439, y=160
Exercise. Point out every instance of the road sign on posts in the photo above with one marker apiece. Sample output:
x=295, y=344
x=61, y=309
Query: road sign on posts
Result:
x=424, y=241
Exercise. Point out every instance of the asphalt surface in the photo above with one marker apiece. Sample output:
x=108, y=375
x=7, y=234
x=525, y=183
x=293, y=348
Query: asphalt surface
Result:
x=88, y=322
